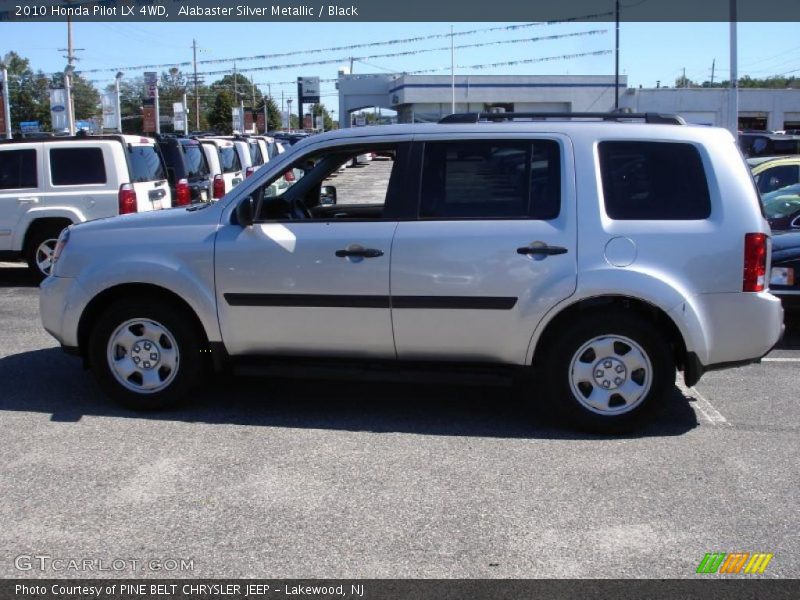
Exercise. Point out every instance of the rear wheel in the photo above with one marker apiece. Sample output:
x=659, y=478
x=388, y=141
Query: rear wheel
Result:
x=39, y=248
x=145, y=355
x=607, y=372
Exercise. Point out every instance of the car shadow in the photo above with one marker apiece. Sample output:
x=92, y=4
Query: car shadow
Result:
x=69, y=393
x=791, y=335
x=17, y=277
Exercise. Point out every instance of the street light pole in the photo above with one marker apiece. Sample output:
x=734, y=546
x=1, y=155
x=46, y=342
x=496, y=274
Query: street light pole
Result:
x=68, y=92
x=117, y=79
x=6, y=103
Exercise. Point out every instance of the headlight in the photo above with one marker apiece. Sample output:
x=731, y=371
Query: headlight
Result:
x=60, y=244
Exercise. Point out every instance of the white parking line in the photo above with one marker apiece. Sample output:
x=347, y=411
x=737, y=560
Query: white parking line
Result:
x=780, y=359
x=703, y=406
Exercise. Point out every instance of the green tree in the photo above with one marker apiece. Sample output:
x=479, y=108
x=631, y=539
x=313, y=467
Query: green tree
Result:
x=23, y=91
x=317, y=109
x=221, y=117
x=273, y=111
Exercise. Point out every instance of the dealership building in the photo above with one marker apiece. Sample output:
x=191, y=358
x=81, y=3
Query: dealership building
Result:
x=427, y=98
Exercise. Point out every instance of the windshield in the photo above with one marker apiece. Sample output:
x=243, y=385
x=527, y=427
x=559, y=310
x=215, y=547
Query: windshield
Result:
x=229, y=160
x=146, y=164
x=195, y=161
x=782, y=202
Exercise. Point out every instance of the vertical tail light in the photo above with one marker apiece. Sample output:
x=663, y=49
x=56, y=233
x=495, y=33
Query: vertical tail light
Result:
x=755, y=262
x=289, y=175
x=219, y=186
x=249, y=171
x=126, y=199
x=183, y=194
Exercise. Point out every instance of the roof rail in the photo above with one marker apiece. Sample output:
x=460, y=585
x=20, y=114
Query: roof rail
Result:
x=648, y=117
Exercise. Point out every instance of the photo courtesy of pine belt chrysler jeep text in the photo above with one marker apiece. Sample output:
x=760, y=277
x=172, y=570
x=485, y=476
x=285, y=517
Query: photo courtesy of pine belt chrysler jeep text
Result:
x=598, y=253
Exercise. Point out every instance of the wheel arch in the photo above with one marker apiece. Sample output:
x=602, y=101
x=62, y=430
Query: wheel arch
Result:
x=41, y=223
x=600, y=304
x=104, y=299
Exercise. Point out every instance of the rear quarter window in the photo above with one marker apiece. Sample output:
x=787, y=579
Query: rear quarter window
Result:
x=18, y=169
x=653, y=181
x=77, y=166
x=146, y=164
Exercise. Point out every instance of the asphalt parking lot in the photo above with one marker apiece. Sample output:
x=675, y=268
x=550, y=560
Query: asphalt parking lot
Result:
x=302, y=478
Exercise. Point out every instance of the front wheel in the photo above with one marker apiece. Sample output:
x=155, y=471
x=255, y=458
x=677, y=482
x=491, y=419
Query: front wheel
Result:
x=146, y=356
x=39, y=250
x=607, y=372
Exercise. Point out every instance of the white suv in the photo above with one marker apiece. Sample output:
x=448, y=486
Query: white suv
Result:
x=47, y=184
x=599, y=254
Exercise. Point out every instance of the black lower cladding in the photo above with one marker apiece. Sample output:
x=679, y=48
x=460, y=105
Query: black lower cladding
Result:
x=348, y=301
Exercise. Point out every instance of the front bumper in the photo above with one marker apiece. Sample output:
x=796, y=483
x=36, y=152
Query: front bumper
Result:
x=61, y=303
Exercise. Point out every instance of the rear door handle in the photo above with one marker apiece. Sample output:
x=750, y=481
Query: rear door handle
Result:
x=361, y=252
x=541, y=250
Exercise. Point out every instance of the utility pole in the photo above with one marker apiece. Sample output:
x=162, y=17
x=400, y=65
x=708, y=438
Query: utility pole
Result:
x=185, y=114
x=452, y=73
x=196, y=95
x=70, y=56
x=713, y=64
x=733, y=100
x=616, y=61
x=117, y=79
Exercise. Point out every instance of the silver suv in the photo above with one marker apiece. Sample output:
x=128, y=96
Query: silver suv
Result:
x=599, y=253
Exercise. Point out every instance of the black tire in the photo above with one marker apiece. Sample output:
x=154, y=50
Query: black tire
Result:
x=608, y=330
x=38, y=236
x=178, y=326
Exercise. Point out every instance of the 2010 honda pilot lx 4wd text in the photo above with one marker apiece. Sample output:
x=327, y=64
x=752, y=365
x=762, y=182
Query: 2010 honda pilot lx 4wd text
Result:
x=601, y=254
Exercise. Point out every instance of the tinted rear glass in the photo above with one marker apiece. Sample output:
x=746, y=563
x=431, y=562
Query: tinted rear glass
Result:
x=145, y=164
x=77, y=166
x=653, y=181
x=195, y=161
x=255, y=154
x=229, y=159
x=17, y=169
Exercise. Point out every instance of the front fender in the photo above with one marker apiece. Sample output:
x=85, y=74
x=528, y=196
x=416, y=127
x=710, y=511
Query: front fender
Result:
x=196, y=289
x=657, y=289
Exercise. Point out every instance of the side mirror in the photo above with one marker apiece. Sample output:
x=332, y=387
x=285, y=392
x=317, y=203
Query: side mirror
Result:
x=245, y=212
x=327, y=195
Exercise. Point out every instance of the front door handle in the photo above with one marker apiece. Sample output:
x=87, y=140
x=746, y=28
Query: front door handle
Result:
x=360, y=252
x=541, y=249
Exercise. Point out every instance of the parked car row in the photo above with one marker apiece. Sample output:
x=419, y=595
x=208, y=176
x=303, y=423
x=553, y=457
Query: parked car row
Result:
x=48, y=183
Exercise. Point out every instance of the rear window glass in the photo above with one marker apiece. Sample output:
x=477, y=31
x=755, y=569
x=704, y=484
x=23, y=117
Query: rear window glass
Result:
x=17, y=169
x=272, y=149
x=145, y=164
x=77, y=166
x=653, y=181
x=229, y=159
x=195, y=161
x=255, y=154
x=491, y=180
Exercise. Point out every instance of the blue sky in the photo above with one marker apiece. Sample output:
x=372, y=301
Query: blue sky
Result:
x=650, y=52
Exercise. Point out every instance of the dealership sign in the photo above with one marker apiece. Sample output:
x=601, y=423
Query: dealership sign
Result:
x=308, y=89
x=150, y=84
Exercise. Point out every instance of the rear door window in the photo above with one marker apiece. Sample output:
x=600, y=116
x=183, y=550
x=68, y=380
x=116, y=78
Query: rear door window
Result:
x=146, y=164
x=486, y=179
x=77, y=166
x=18, y=169
x=195, y=161
x=653, y=181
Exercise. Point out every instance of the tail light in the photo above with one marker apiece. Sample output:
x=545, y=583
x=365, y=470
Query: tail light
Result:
x=126, y=199
x=249, y=171
x=755, y=262
x=219, y=186
x=289, y=175
x=183, y=194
